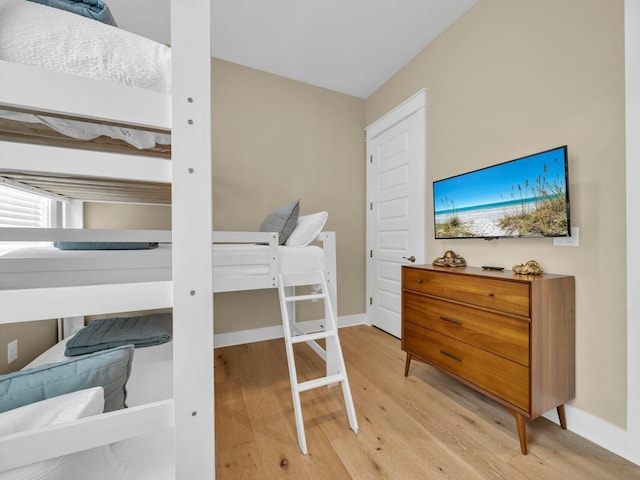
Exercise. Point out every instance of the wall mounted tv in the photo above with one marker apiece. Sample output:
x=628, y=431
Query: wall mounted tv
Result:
x=524, y=198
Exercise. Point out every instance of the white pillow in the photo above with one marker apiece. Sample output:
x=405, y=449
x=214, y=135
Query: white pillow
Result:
x=62, y=408
x=97, y=463
x=307, y=229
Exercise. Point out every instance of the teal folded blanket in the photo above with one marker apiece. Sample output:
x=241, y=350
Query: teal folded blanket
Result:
x=99, y=335
x=95, y=9
x=105, y=245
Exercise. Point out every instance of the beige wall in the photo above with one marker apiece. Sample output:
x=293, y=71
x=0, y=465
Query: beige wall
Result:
x=516, y=77
x=275, y=140
x=33, y=339
x=114, y=215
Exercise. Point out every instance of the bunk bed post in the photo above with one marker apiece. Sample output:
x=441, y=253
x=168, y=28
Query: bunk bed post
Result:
x=328, y=240
x=192, y=226
x=72, y=218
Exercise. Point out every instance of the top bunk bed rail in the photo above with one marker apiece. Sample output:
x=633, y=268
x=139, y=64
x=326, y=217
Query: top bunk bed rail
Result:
x=27, y=88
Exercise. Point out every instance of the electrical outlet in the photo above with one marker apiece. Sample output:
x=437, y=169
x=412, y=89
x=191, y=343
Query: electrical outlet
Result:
x=12, y=351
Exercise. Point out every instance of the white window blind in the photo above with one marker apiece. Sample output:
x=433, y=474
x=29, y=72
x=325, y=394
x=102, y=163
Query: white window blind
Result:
x=22, y=209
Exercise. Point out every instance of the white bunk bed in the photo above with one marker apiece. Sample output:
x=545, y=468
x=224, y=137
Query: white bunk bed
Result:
x=186, y=114
x=47, y=283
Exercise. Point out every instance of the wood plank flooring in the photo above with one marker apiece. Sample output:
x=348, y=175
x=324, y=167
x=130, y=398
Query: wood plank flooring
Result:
x=425, y=426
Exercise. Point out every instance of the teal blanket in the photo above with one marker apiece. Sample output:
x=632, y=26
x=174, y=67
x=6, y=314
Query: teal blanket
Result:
x=95, y=9
x=99, y=335
x=105, y=245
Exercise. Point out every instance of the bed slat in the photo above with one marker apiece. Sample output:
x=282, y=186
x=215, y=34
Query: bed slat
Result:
x=105, y=235
x=40, y=444
x=83, y=235
x=39, y=134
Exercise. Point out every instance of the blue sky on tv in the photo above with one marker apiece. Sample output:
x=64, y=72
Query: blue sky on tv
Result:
x=494, y=184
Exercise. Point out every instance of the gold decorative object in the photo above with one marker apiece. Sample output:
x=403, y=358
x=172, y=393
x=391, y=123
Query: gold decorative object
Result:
x=530, y=268
x=450, y=259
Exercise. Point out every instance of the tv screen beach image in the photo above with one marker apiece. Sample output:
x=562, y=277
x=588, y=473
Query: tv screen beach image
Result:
x=526, y=197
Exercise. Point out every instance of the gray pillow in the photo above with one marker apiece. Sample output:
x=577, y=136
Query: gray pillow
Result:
x=283, y=220
x=109, y=369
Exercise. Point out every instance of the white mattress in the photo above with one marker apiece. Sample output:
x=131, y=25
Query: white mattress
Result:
x=54, y=39
x=36, y=267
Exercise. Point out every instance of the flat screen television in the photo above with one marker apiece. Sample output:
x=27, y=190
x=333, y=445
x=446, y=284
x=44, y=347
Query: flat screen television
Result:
x=523, y=198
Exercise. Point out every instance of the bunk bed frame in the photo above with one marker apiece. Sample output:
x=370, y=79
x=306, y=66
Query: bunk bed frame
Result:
x=186, y=113
x=34, y=287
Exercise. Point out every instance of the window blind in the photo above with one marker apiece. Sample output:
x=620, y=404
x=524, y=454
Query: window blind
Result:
x=22, y=209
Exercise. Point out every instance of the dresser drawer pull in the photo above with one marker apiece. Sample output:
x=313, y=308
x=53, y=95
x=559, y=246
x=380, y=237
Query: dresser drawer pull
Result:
x=448, y=320
x=419, y=280
x=491, y=294
x=447, y=354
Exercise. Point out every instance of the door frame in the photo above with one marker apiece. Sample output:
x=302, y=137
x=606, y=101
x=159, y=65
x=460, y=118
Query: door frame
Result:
x=632, y=100
x=407, y=108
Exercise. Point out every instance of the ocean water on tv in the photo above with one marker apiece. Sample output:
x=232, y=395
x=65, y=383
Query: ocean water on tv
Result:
x=527, y=203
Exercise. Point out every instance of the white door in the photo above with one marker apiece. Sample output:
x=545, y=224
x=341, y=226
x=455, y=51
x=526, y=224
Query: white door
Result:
x=396, y=176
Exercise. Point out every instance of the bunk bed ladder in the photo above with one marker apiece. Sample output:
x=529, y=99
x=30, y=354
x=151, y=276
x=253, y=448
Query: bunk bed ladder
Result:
x=332, y=354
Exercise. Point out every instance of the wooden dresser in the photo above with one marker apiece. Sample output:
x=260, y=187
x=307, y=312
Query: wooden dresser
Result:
x=509, y=336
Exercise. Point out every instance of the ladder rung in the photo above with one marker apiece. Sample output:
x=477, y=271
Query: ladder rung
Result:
x=299, y=298
x=307, y=337
x=320, y=382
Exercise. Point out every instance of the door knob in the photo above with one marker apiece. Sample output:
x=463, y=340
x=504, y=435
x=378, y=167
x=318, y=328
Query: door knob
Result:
x=411, y=258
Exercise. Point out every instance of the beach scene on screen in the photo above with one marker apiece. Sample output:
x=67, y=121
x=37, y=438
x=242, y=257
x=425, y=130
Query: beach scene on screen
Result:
x=522, y=198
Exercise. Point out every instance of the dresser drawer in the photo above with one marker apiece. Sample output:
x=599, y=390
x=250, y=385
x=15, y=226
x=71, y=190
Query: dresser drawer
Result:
x=505, y=336
x=502, y=295
x=501, y=377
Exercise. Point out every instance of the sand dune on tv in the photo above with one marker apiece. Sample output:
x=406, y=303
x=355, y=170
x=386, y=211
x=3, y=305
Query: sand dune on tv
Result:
x=483, y=222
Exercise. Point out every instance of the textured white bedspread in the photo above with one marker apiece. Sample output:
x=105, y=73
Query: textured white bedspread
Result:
x=38, y=35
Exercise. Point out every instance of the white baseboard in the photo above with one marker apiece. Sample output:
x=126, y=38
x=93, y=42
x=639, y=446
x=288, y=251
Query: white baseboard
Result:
x=269, y=333
x=595, y=429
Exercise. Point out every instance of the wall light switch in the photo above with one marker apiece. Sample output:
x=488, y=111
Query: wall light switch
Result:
x=12, y=351
x=571, y=241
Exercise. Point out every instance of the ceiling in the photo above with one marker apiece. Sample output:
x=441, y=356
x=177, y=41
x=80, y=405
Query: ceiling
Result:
x=350, y=46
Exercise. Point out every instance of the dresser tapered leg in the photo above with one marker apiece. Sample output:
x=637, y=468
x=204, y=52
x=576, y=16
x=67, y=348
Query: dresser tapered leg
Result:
x=407, y=363
x=522, y=432
x=561, y=416
x=522, y=429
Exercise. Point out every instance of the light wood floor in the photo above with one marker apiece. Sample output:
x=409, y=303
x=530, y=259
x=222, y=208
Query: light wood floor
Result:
x=425, y=426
